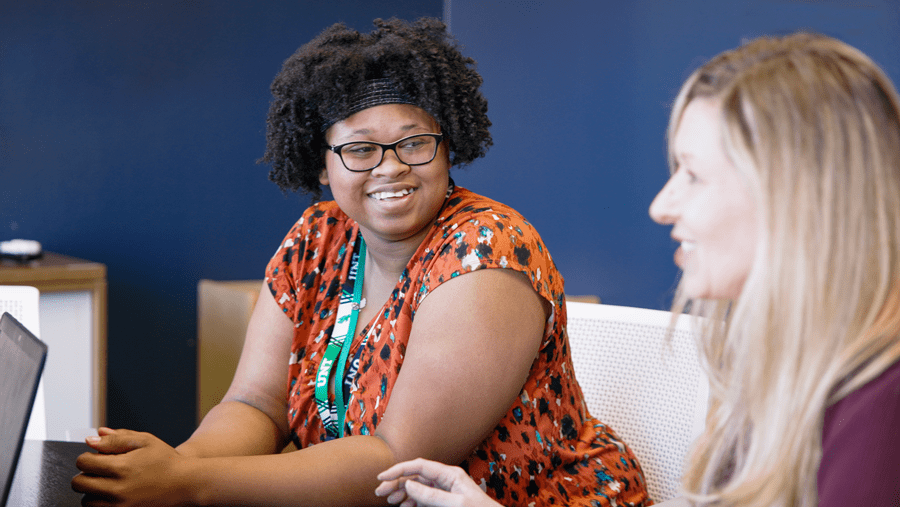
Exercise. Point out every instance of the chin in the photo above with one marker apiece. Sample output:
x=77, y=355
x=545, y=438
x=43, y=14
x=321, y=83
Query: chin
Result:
x=698, y=289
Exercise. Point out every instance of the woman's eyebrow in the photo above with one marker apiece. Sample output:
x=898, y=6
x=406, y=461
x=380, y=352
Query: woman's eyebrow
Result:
x=367, y=131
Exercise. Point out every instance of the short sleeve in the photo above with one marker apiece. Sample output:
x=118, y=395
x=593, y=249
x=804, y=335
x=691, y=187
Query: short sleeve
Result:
x=478, y=234
x=278, y=272
x=308, y=260
x=861, y=446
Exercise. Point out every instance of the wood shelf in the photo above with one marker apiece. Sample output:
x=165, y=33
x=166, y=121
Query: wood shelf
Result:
x=57, y=273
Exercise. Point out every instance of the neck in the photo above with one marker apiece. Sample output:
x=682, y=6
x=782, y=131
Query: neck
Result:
x=385, y=262
x=388, y=259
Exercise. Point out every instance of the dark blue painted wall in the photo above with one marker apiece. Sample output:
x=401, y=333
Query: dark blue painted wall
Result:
x=579, y=93
x=128, y=135
x=129, y=131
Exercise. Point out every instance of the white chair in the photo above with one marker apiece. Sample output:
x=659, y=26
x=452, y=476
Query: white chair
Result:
x=23, y=303
x=652, y=393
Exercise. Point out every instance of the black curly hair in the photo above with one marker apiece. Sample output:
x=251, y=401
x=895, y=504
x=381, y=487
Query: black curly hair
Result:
x=316, y=83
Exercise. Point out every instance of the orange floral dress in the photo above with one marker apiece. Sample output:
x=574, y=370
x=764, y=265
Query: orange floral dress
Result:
x=547, y=449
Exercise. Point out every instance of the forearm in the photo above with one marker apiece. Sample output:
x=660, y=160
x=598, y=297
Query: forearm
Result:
x=233, y=428
x=339, y=472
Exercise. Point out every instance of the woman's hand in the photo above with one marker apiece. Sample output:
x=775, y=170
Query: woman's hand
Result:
x=131, y=468
x=425, y=483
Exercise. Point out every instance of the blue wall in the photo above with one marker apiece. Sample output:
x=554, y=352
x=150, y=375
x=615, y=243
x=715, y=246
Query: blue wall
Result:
x=579, y=93
x=129, y=131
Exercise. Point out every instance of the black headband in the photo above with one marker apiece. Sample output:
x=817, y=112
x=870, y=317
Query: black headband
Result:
x=374, y=92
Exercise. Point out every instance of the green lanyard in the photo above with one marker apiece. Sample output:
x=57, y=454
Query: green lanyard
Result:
x=339, y=345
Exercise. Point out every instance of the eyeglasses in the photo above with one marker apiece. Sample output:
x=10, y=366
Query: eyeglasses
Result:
x=364, y=156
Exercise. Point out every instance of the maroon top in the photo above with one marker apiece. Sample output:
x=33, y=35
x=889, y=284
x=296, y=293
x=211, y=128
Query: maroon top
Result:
x=861, y=446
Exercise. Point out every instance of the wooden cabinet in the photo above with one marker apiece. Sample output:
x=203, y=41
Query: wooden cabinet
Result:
x=73, y=324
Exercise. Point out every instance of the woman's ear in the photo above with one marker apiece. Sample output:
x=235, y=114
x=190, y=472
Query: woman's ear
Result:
x=323, y=177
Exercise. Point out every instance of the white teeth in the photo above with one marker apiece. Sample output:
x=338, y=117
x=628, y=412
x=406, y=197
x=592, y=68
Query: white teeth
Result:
x=388, y=195
x=687, y=246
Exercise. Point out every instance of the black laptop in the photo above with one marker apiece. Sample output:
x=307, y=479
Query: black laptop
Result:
x=22, y=358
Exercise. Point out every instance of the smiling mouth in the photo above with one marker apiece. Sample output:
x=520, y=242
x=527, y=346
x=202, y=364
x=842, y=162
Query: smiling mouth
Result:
x=381, y=196
x=685, y=247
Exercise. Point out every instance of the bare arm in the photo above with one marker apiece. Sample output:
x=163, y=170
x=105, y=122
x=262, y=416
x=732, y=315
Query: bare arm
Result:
x=472, y=344
x=252, y=417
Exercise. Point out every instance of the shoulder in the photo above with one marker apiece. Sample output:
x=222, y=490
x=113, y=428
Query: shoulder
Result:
x=316, y=240
x=465, y=206
x=317, y=215
x=317, y=225
x=473, y=232
x=478, y=232
x=861, y=445
x=491, y=229
x=873, y=404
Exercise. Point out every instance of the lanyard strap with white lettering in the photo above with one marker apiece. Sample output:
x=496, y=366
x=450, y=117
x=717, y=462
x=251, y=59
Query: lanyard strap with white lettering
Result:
x=339, y=344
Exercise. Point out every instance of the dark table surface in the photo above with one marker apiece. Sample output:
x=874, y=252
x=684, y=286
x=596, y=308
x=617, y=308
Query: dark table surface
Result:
x=44, y=474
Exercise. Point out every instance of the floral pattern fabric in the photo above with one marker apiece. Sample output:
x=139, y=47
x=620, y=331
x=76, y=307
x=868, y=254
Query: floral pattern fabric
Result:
x=547, y=449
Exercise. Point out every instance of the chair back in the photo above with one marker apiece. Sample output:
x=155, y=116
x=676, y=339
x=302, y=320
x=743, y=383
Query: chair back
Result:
x=650, y=391
x=23, y=303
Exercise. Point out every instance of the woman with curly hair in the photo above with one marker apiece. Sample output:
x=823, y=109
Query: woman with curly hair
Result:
x=785, y=198
x=408, y=317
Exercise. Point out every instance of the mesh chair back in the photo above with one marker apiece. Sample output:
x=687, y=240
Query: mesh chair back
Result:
x=651, y=392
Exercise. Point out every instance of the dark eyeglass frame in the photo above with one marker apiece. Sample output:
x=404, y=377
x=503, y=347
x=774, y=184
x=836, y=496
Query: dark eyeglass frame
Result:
x=384, y=148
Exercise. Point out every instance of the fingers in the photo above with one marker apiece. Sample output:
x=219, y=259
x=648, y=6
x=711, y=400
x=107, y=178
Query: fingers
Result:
x=388, y=487
x=110, y=441
x=112, y=446
x=131, y=468
x=398, y=495
x=431, y=470
x=96, y=488
x=394, y=478
x=97, y=501
x=424, y=483
x=97, y=465
x=427, y=496
x=401, y=469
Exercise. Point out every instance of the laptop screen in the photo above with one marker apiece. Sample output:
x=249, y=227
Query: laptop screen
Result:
x=22, y=358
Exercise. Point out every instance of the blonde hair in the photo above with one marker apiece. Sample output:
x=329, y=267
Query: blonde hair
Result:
x=813, y=125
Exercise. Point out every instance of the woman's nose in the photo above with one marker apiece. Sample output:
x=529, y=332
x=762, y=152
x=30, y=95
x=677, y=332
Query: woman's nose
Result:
x=664, y=209
x=391, y=165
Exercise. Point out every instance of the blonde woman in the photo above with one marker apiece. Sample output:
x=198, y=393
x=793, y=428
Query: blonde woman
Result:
x=785, y=198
